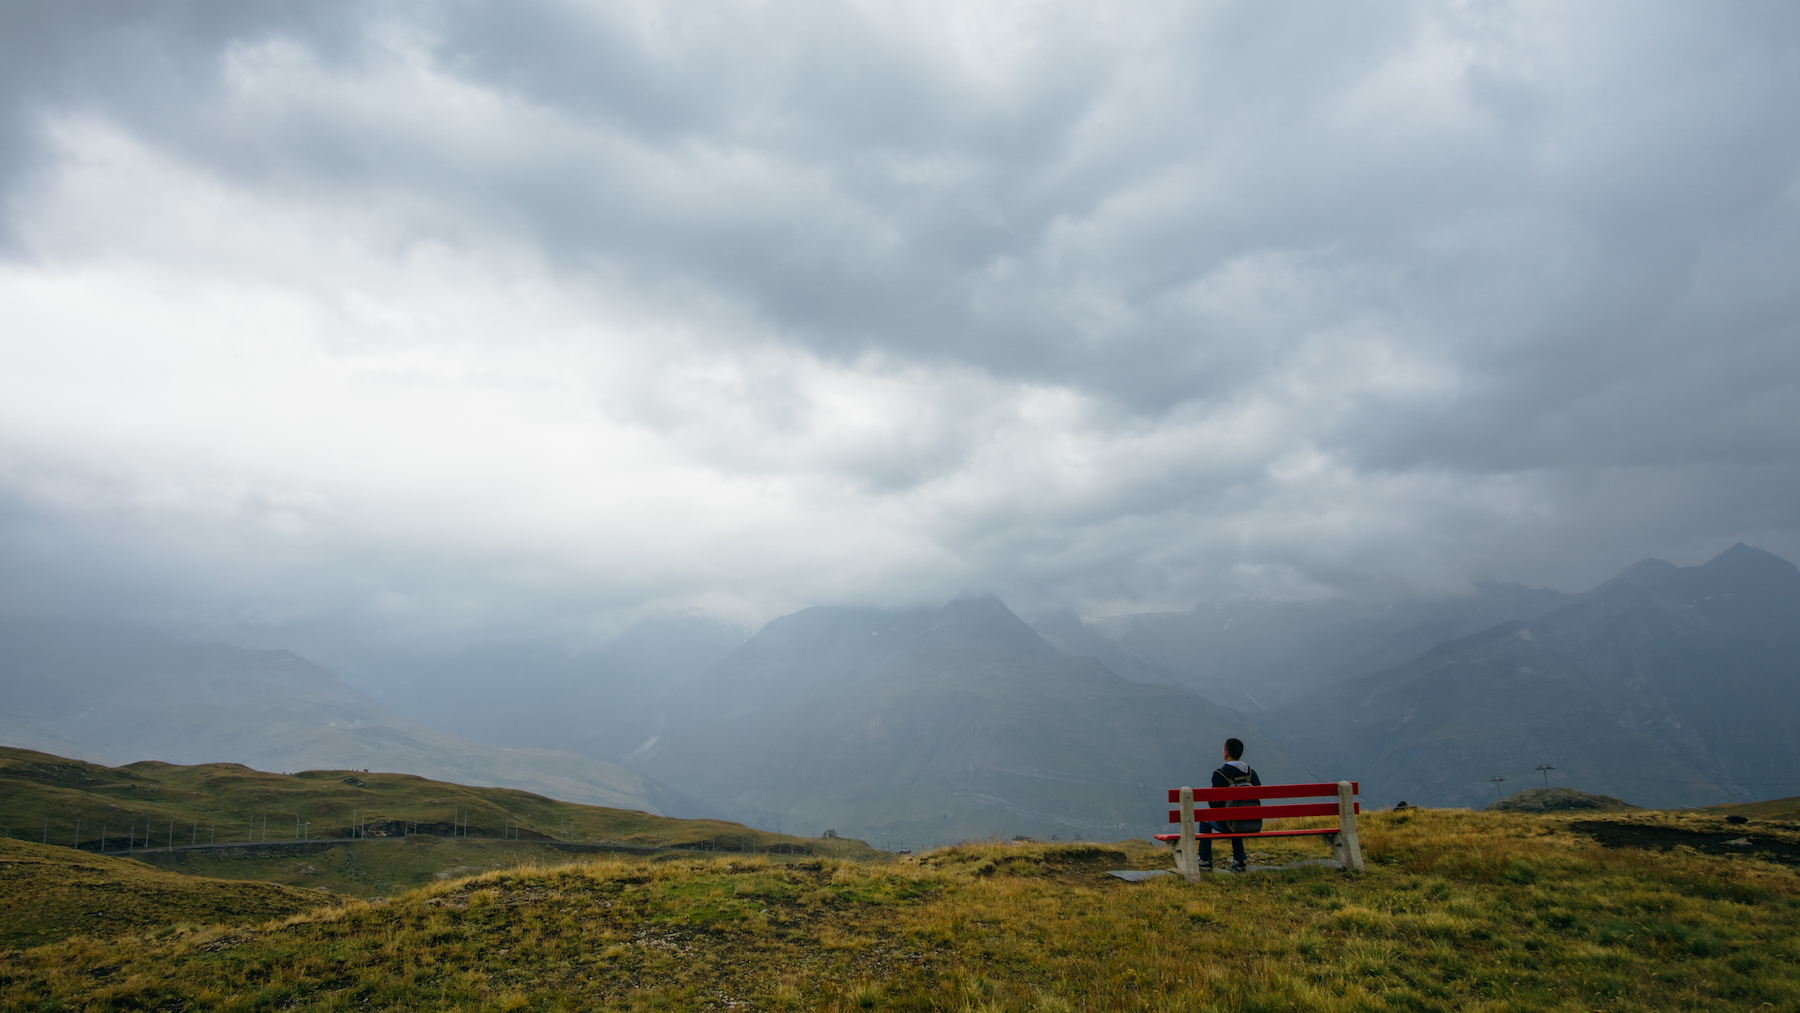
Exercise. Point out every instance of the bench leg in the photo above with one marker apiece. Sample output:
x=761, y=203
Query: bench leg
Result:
x=1338, y=851
x=1351, y=858
x=1346, y=851
x=1186, y=860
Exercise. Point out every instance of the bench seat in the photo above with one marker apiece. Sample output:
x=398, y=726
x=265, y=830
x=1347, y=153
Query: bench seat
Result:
x=1342, y=838
x=1318, y=832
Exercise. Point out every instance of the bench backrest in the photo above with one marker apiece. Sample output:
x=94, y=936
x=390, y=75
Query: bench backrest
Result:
x=1266, y=791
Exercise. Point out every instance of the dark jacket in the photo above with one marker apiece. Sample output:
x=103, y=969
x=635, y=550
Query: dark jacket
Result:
x=1219, y=780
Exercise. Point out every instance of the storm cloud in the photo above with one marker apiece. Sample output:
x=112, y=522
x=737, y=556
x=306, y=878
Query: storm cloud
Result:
x=444, y=320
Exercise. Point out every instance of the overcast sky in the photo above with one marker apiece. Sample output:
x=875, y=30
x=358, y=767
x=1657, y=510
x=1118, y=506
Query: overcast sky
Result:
x=439, y=321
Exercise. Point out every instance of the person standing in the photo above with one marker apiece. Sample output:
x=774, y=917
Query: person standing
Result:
x=1233, y=773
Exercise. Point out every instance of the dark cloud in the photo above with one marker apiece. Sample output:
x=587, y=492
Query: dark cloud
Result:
x=758, y=308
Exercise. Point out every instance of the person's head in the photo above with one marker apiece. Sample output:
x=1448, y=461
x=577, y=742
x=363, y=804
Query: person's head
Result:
x=1234, y=749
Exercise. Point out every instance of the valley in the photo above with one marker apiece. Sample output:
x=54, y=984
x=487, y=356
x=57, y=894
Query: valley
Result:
x=352, y=832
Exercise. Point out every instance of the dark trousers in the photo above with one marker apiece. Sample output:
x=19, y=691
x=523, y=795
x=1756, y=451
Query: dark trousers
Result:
x=1237, y=843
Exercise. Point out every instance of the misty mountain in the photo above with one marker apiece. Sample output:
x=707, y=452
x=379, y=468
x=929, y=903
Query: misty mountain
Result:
x=115, y=696
x=1665, y=686
x=1259, y=654
x=932, y=725
x=602, y=703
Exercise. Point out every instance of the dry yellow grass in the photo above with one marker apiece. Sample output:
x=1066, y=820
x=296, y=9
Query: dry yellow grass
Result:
x=1457, y=911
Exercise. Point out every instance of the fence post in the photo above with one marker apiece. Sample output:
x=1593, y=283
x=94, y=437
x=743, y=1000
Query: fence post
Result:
x=1350, y=845
x=1187, y=859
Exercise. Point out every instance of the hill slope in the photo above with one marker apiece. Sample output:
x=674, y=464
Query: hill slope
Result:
x=48, y=893
x=1666, y=687
x=1457, y=910
x=938, y=725
x=116, y=695
x=155, y=805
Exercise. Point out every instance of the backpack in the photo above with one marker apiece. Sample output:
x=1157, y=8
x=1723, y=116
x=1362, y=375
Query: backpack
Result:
x=1240, y=780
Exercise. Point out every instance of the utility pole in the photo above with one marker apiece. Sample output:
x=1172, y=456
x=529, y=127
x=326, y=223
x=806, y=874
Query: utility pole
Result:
x=1545, y=769
x=1497, y=781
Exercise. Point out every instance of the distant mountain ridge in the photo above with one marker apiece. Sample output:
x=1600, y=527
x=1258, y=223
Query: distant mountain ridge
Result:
x=1262, y=654
x=115, y=695
x=923, y=726
x=601, y=703
x=1666, y=686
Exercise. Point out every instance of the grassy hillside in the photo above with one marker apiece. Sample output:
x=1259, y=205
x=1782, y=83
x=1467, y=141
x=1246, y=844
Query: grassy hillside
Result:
x=1540, y=800
x=49, y=893
x=44, y=797
x=1773, y=809
x=379, y=868
x=1458, y=910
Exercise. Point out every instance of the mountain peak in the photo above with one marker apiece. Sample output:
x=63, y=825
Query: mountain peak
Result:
x=1643, y=575
x=1743, y=568
x=981, y=625
x=1748, y=560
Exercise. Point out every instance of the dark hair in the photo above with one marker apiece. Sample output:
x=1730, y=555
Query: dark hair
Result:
x=1235, y=747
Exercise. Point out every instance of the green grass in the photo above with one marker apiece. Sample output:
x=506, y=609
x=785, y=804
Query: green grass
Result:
x=1783, y=809
x=1458, y=910
x=52, y=893
x=61, y=801
x=371, y=868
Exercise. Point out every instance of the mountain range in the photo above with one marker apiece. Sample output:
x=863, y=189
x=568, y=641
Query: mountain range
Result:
x=1264, y=654
x=936, y=725
x=601, y=703
x=113, y=695
x=1665, y=686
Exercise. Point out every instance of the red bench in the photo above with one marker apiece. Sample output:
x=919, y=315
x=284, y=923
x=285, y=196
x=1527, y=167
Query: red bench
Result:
x=1342, y=838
